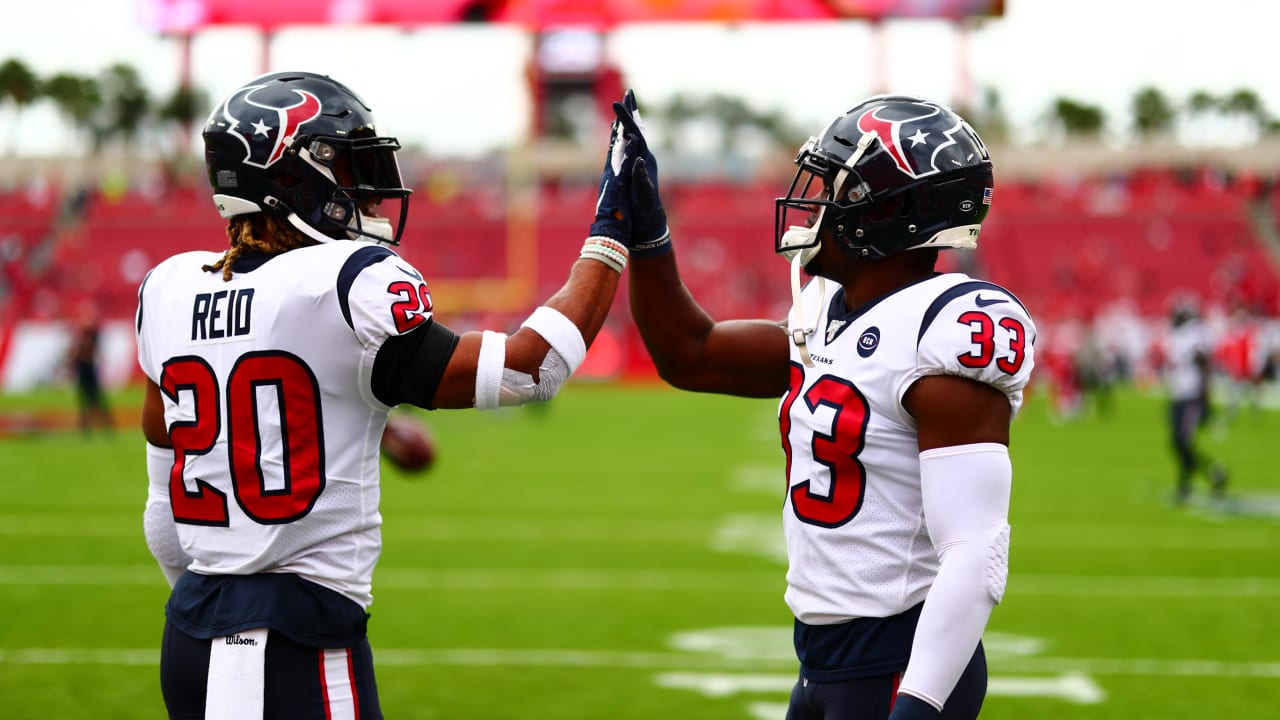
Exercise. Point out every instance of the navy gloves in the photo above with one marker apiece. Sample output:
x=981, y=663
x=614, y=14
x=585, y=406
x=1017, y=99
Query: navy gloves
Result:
x=613, y=212
x=649, y=233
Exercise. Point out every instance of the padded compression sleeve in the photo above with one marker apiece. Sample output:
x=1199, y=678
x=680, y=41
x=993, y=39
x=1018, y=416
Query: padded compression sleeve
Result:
x=966, y=492
x=157, y=518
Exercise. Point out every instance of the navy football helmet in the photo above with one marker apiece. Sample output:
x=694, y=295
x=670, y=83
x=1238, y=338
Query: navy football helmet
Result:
x=305, y=147
x=894, y=173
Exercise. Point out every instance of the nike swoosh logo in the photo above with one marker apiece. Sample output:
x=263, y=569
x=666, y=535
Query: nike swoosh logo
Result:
x=984, y=302
x=413, y=274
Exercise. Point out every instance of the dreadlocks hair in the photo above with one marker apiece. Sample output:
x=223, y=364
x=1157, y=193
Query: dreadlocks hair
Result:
x=257, y=232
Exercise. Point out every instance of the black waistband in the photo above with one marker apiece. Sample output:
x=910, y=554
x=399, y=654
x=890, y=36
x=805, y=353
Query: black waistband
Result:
x=209, y=606
x=864, y=647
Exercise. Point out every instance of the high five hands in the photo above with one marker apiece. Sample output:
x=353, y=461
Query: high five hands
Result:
x=629, y=207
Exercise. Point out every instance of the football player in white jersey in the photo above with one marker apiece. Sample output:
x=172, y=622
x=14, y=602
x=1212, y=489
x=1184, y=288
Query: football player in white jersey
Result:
x=1188, y=373
x=898, y=385
x=271, y=369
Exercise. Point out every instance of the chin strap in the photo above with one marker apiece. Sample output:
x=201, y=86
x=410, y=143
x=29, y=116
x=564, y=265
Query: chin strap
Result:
x=796, y=327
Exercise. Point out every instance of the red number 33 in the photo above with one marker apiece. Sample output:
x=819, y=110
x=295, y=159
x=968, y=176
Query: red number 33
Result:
x=983, y=338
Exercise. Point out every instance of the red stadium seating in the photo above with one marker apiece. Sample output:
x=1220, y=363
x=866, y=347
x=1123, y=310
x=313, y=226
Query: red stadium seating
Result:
x=1064, y=248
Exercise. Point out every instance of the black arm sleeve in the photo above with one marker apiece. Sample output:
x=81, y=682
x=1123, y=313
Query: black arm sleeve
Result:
x=409, y=367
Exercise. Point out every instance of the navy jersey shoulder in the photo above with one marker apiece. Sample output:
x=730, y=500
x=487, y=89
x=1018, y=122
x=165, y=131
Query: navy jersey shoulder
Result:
x=998, y=295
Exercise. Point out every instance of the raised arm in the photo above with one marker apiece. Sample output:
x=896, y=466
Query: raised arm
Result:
x=552, y=342
x=690, y=349
x=488, y=369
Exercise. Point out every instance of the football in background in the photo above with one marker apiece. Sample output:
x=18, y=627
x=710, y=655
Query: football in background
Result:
x=407, y=444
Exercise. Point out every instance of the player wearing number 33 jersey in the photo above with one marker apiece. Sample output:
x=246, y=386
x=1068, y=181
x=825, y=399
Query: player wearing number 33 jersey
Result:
x=898, y=385
x=271, y=369
x=854, y=506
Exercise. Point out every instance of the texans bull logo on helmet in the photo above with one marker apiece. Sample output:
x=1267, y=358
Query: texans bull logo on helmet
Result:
x=905, y=132
x=275, y=115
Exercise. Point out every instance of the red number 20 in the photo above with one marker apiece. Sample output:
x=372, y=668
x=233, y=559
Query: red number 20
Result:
x=300, y=441
x=410, y=310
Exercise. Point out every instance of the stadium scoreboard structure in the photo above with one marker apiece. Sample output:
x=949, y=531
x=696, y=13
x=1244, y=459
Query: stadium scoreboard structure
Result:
x=568, y=71
x=187, y=16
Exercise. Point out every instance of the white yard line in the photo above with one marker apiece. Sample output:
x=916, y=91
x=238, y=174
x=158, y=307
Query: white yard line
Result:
x=671, y=662
x=763, y=581
x=766, y=527
x=480, y=579
x=1071, y=687
x=1142, y=586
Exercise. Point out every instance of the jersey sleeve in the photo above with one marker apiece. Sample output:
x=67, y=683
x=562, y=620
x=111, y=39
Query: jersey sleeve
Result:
x=982, y=332
x=381, y=296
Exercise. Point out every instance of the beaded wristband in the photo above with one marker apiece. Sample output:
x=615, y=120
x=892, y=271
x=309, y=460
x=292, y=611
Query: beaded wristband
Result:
x=608, y=242
x=610, y=252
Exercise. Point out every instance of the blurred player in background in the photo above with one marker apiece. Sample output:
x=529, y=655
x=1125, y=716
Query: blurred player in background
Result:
x=91, y=401
x=1242, y=356
x=897, y=384
x=1188, y=355
x=272, y=368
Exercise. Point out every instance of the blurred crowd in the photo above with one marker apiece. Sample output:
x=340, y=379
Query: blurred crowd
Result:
x=1095, y=257
x=1080, y=360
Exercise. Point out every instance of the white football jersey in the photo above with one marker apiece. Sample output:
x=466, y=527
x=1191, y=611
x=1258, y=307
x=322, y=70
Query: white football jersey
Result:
x=855, y=531
x=268, y=399
x=1184, y=345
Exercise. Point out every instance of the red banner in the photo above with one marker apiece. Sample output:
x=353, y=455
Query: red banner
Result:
x=181, y=16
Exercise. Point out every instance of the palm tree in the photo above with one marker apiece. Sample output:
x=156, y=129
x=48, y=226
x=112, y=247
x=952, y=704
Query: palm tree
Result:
x=1201, y=102
x=1246, y=105
x=125, y=107
x=1153, y=114
x=732, y=114
x=19, y=85
x=989, y=119
x=182, y=109
x=1201, y=107
x=77, y=98
x=1077, y=119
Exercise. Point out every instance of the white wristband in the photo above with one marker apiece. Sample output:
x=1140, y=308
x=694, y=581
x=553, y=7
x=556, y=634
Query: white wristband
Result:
x=559, y=332
x=489, y=366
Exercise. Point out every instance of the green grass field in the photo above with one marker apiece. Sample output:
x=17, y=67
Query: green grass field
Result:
x=616, y=556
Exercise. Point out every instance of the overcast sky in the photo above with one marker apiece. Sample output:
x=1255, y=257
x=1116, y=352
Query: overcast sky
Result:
x=462, y=90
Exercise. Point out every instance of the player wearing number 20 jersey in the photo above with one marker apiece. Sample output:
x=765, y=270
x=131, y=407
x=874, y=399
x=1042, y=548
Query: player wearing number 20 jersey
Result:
x=268, y=439
x=271, y=368
x=898, y=386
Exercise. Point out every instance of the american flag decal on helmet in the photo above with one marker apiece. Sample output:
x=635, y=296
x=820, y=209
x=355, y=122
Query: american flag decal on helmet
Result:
x=986, y=196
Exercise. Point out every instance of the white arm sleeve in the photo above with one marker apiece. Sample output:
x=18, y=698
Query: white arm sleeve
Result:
x=157, y=519
x=966, y=509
